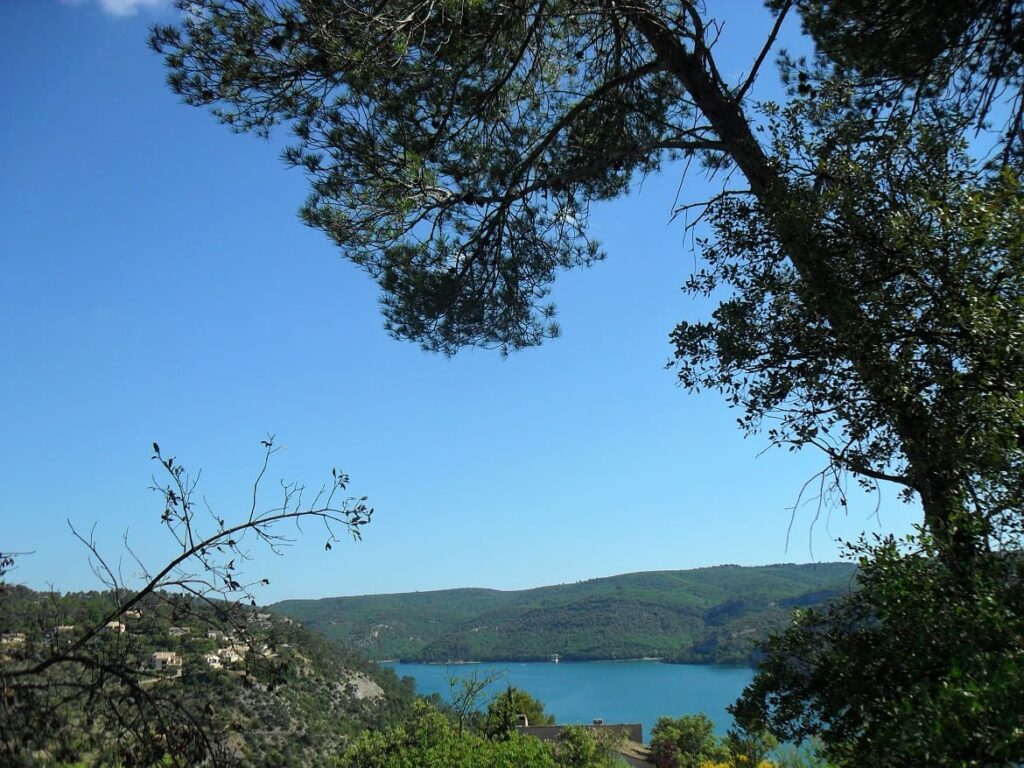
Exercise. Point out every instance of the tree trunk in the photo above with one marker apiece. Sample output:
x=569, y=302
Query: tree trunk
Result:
x=826, y=293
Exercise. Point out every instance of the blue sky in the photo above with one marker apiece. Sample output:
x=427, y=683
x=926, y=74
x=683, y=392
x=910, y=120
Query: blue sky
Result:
x=158, y=285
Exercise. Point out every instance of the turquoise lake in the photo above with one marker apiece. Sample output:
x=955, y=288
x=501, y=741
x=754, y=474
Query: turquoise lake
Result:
x=615, y=691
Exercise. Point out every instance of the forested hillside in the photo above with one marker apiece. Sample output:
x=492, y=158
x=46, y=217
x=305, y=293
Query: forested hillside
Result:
x=712, y=615
x=268, y=693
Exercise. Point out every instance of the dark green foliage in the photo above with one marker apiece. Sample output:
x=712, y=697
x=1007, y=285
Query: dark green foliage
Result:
x=299, y=704
x=428, y=739
x=870, y=268
x=453, y=148
x=928, y=248
x=918, y=666
x=690, y=742
x=914, y=668
x=973, y=51
x=686, y=742
x=504, y=710
x=580, y=747
x=709, y=615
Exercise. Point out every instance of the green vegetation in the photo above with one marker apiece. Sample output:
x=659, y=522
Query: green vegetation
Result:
x=690, y=742
x=504, y=710
x=454, y=152
x=428, y=739
x=686, y=742
x=969, y=53
x=865, y=253
x=912, y=669
x=175, y=666
x=708, y=615
x=279, y=695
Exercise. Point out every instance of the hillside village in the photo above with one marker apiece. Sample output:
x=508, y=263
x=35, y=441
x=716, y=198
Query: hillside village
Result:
x=230, y=649
x=255, y=679
x=169, y=649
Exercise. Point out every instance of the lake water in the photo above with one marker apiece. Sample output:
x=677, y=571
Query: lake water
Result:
x=615, y=691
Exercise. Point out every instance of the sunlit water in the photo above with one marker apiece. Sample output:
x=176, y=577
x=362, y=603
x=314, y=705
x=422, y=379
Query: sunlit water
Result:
x=615, y=691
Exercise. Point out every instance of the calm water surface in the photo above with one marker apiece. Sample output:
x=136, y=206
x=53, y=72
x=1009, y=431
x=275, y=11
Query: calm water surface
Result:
x=616, y=691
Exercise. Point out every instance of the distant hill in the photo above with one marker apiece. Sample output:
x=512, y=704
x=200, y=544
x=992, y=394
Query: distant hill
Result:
x=706, y=615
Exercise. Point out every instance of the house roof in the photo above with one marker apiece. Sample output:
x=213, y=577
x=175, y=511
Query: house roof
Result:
x=629, y=735
x=628, y=731
x=638, y=753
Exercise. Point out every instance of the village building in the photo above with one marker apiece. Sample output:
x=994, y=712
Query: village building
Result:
x=213, y=661
x=133, y=614
x=12, y=638
x=165, y=660
x=179, y=631
x=261, y=620
x=229, y=656
x=61, y=633
x=116, y=626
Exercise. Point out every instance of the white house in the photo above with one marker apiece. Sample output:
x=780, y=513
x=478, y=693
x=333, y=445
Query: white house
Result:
x=229, y=656
x=212, y=661
x=165, y=660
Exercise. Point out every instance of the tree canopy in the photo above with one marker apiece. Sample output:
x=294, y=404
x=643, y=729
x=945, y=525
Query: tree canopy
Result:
x=503, y=712
x=686, y=742
x=454, y=149
x=690, y=742
x=428, y=739
x=970, y=53
x=868, y=267
x=911, y=669
x=927, y=247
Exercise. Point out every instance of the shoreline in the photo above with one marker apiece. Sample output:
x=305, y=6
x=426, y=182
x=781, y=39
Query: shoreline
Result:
x=643, y=659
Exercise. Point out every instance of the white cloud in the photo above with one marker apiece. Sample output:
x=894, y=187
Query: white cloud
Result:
x=128, y=7
x=124, y=7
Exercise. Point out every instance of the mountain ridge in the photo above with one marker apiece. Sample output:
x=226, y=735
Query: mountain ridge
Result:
x=715, y=614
